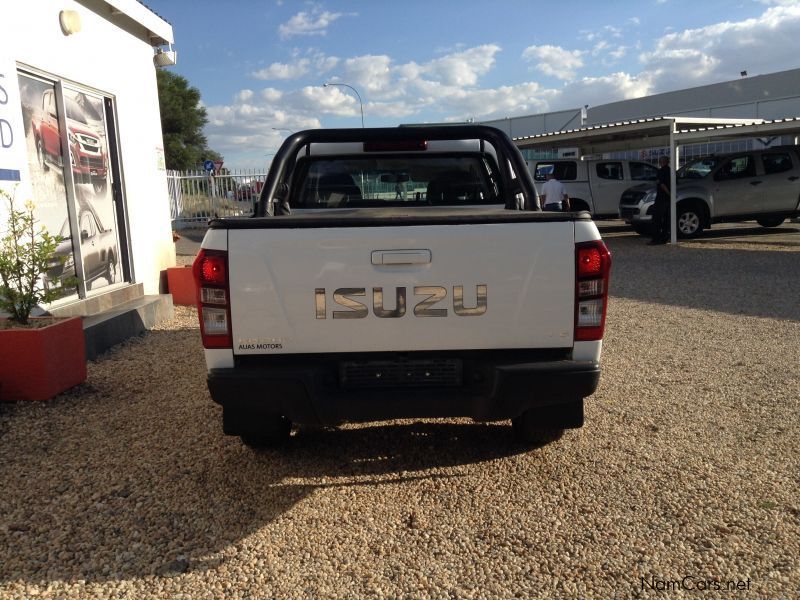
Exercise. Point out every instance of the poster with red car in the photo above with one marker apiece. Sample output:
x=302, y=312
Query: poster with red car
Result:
x=86, y=156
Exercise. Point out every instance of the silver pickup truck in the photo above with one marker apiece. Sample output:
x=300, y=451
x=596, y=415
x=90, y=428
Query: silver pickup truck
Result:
x=761, y=185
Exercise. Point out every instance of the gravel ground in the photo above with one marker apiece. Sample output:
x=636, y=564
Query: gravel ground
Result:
x=688, y=466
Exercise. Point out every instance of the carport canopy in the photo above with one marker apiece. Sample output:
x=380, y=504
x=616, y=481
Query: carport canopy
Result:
x=656, y=132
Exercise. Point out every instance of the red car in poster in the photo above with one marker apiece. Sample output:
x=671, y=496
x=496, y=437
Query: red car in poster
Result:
x=86, y=147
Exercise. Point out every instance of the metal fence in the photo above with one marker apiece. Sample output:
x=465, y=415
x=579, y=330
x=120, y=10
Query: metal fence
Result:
x=196, y=196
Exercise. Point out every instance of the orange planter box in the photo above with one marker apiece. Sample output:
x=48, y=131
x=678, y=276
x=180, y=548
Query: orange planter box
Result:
x=180, y=283
x=37, y=364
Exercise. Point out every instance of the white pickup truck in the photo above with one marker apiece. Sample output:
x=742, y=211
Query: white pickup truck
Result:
x=593, y=185
x=389, y=273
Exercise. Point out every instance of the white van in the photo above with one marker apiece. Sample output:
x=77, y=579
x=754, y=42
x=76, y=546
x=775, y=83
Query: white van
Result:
x=593, y=185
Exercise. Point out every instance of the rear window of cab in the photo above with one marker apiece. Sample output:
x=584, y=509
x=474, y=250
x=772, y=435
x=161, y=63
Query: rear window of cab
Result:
x=563, y=170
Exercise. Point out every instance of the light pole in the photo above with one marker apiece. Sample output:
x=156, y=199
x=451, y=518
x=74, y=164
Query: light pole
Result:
x=357, y=95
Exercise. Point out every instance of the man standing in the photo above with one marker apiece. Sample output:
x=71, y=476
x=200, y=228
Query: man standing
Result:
x=554, y=195
x=661, y=208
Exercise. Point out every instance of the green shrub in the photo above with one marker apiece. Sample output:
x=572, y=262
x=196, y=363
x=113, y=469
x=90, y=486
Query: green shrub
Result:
x=25, y=255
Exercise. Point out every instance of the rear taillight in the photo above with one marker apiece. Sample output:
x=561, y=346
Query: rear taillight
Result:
x=592, y=268
x=210, y=270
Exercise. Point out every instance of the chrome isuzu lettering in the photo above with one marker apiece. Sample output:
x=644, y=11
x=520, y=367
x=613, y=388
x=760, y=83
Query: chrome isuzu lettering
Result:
x=399, y=303
x=433, y=295
x=458, y=301
x=319, y=302
x=357, y=310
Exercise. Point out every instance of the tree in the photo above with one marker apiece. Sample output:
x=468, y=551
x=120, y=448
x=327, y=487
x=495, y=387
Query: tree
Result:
x=182, y=121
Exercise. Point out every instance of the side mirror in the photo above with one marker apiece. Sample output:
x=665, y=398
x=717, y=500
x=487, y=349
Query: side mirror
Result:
x=84, y=235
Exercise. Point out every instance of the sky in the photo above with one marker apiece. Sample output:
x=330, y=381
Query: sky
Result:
x=260, y=65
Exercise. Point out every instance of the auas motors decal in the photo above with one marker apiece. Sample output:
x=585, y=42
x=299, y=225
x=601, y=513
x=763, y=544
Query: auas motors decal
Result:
x=261, y=343
x=430, y=301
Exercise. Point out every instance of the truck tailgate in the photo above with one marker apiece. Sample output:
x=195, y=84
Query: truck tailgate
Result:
x=322, y=290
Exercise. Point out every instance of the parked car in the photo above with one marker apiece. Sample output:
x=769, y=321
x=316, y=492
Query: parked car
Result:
x=249, y=191
x=86, y=148
x=760, y=185
x=593, y=185
x=98, y=246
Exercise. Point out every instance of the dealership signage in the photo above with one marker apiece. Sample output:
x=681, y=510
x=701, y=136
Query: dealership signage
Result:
x=14, y=175
x=13, y=161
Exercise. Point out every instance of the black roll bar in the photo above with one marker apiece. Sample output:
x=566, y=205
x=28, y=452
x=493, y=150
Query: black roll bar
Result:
x=286, y=156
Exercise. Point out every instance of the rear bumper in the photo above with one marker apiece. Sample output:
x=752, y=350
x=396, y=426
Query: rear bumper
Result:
x=313, y=394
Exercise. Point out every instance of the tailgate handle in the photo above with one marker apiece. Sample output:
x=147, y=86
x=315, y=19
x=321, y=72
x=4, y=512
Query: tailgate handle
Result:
x=401, y=257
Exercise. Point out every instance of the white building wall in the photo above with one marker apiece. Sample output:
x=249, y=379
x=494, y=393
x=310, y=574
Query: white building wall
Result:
x=771, y=96
x=119, y=63
x=541, y=123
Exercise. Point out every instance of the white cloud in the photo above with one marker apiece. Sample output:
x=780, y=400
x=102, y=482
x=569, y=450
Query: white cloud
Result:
x=589, y=36
x=271, y=94
x=315, y=22
x=243, y=95
x=333, y=100
x=378, y=75
x=599, y=47
x=313, y=60
x=369, y=72
x=554, y=60
x=718, y=52
x=447, y=84
x=291, y=70
x=394, y=110
x=619, y=52
x=323, y=63
x=523, y=98
x=246, y=125
x=599, y=90
x=448, y=87
x=464, y=67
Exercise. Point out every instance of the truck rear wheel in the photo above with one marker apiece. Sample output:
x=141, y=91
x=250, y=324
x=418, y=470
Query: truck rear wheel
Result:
x=547, y=424
x=272, y=432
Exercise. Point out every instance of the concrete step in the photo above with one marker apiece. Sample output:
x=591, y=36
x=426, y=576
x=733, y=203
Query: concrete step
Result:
x=134, y=317
x=101, y=302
